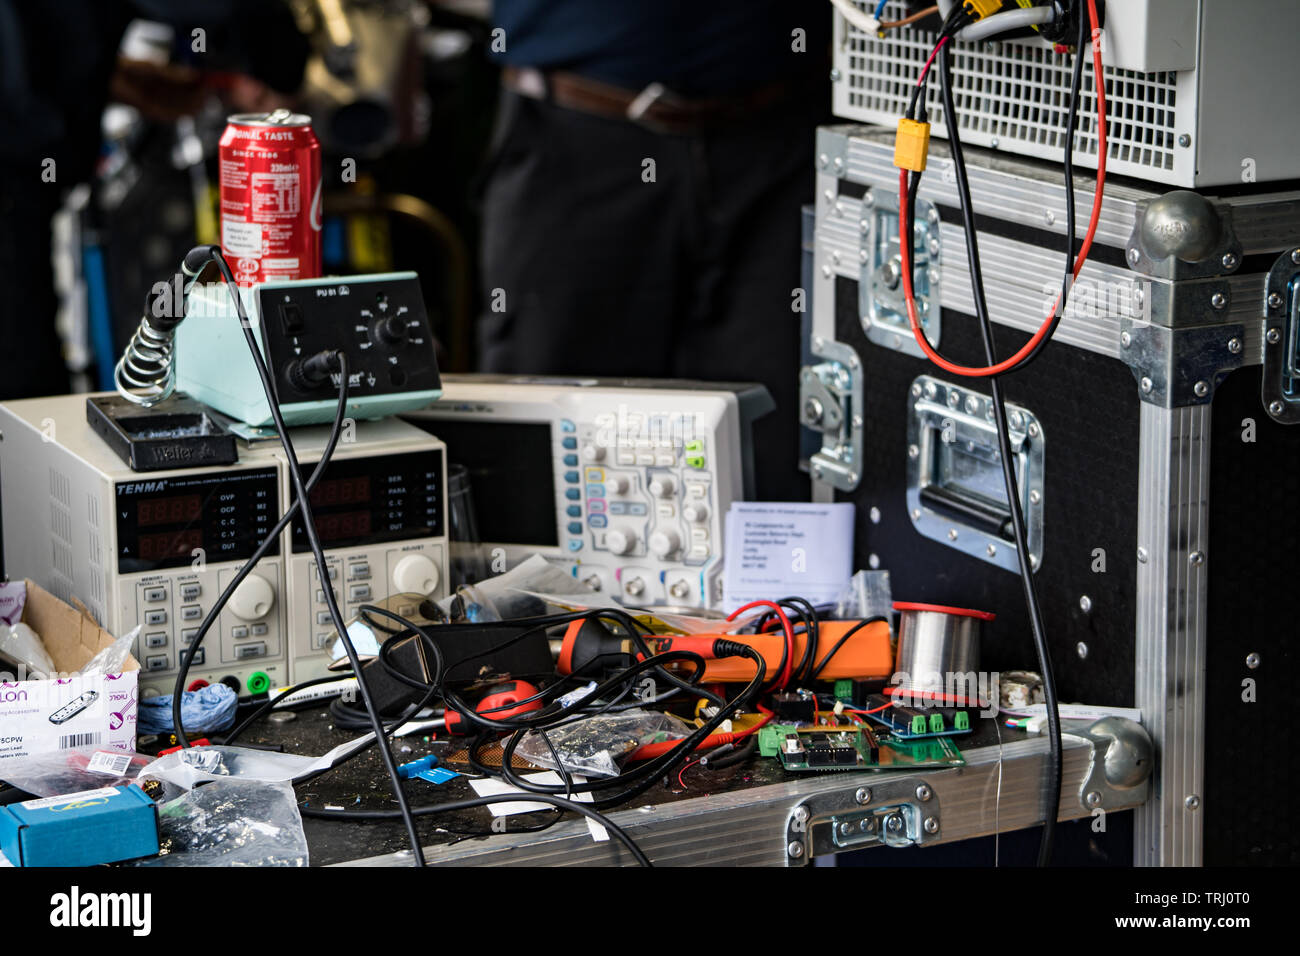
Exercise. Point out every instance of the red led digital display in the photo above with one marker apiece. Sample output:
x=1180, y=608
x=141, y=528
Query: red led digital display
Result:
x=181, y=509
x=169, y=544
x=344, y=524
x=341, y=491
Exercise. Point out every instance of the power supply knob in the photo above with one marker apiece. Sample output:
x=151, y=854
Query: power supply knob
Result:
x=696, y=513
x=662, y=486
x=620, y=541
x=253, y=598
x=593, y=453
x=664, y=543
x=415, y=574
x=617, y=484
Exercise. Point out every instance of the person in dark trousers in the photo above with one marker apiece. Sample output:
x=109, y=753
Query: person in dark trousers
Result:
x=58, y=61
x=642, y=199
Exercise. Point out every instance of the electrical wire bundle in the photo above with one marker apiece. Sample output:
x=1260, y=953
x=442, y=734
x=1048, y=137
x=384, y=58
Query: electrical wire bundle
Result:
x=961, y=23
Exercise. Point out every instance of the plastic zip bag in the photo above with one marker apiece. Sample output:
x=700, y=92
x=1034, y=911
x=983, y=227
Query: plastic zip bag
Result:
x=71, y=771
x=593, y=746
x=232, y=822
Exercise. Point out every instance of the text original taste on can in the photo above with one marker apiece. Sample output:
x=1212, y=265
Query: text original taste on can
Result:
x=270, y=196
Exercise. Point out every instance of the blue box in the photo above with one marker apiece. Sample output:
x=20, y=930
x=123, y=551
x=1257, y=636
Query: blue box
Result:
x=80, y=829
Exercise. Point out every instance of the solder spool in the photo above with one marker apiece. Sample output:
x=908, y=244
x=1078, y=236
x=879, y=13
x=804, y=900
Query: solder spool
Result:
x=938, y=649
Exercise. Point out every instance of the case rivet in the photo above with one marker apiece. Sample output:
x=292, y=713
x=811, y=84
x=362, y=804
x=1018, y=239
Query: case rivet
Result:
x=923, y=793
x=1229, y=261
x=1234, y=346
x=1274, y=300
x=931, y=825
x=795, y=849
x=873, y=561
x=952, y=534
x=1274, y=336
x=1085, y=603
x=1145, y=385
x=1050, y=217
x=1275, y=407
x=823, y=160
x=916, y=390
x=1218, y=300
x=1134, y=256
x=1035, y=497
x=874, y=515
x=1201, y=389
x=916, y=514
x=862, y=795
x=1033, y=429
x=1125, y=339
x=1193, y=802
x=1295, y=256
x=1142, y=555
x=1093, y=799
x=864, y=226
x=835, y=76
x=1196, y=558
x=992, y=550
x=1082, y=650
x=1252, y=660
x=1184, y=140
x=913, y=451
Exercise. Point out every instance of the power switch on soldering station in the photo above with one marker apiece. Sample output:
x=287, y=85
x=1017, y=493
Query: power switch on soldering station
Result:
x=911, y=145
x=291, y=318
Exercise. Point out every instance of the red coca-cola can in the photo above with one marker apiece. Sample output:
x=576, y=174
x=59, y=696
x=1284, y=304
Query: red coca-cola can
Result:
x=270, y=196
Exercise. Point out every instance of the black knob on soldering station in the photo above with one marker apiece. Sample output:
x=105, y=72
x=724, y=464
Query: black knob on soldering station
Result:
x=391, y=330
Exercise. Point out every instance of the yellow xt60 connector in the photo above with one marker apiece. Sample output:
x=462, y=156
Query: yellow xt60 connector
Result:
x=911, y=145
x=979, y=9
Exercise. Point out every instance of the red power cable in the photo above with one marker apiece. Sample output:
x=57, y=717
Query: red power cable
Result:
x=905, y=241
x=785, y=626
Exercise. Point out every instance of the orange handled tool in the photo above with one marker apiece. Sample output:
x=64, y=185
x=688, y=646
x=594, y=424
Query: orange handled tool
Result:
x=866, y=655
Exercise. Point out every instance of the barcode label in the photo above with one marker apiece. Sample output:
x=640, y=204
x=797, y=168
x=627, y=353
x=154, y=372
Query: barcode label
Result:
x=78, y=740
x=110, y=764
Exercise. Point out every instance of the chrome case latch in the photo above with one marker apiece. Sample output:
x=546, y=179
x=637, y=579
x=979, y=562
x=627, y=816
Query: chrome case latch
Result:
x=882, y=308
x=897, y=813
x=830, y=401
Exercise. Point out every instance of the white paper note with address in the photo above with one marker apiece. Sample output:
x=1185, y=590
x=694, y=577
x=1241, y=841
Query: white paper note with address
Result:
x=782, y=549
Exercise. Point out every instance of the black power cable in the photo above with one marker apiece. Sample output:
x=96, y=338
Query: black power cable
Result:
x=187, y=655
x=309, y=525
x=1038, y=628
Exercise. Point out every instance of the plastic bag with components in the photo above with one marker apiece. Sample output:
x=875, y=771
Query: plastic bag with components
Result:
x=57, y=772
x=232, y=822
x=112, y=659
x=593, y=746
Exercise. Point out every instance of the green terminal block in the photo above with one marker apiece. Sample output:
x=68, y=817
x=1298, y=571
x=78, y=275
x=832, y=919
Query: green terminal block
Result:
x=936, y=723
x=844, y=691
x=918, y=724
x=961, y=721
x=770, y=737
x=258, y=682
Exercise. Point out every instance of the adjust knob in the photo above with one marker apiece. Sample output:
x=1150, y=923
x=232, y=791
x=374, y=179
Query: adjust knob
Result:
x=616, y=484
x=664, y=543
x=662, y=486
x=620, y=541
x=253, y=598
x=593, y=452
x=696, y=512
x=391, y=330
x=415, y=574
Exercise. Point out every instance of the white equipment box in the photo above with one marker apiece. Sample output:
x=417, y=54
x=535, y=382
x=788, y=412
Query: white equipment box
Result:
x=1193, y=89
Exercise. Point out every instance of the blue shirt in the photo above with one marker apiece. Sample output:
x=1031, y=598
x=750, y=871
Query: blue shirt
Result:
x=694, y=47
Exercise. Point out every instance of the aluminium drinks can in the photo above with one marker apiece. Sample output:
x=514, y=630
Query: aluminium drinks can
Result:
x=270, y=176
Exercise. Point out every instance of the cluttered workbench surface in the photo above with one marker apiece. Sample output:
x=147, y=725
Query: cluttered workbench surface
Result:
x=674, y=806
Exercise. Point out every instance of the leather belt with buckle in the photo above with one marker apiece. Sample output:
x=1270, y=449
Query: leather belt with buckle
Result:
x=654, y=107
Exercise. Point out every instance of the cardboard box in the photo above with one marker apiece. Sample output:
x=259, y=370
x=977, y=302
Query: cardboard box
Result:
x=80, y=829
x=98, y=711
